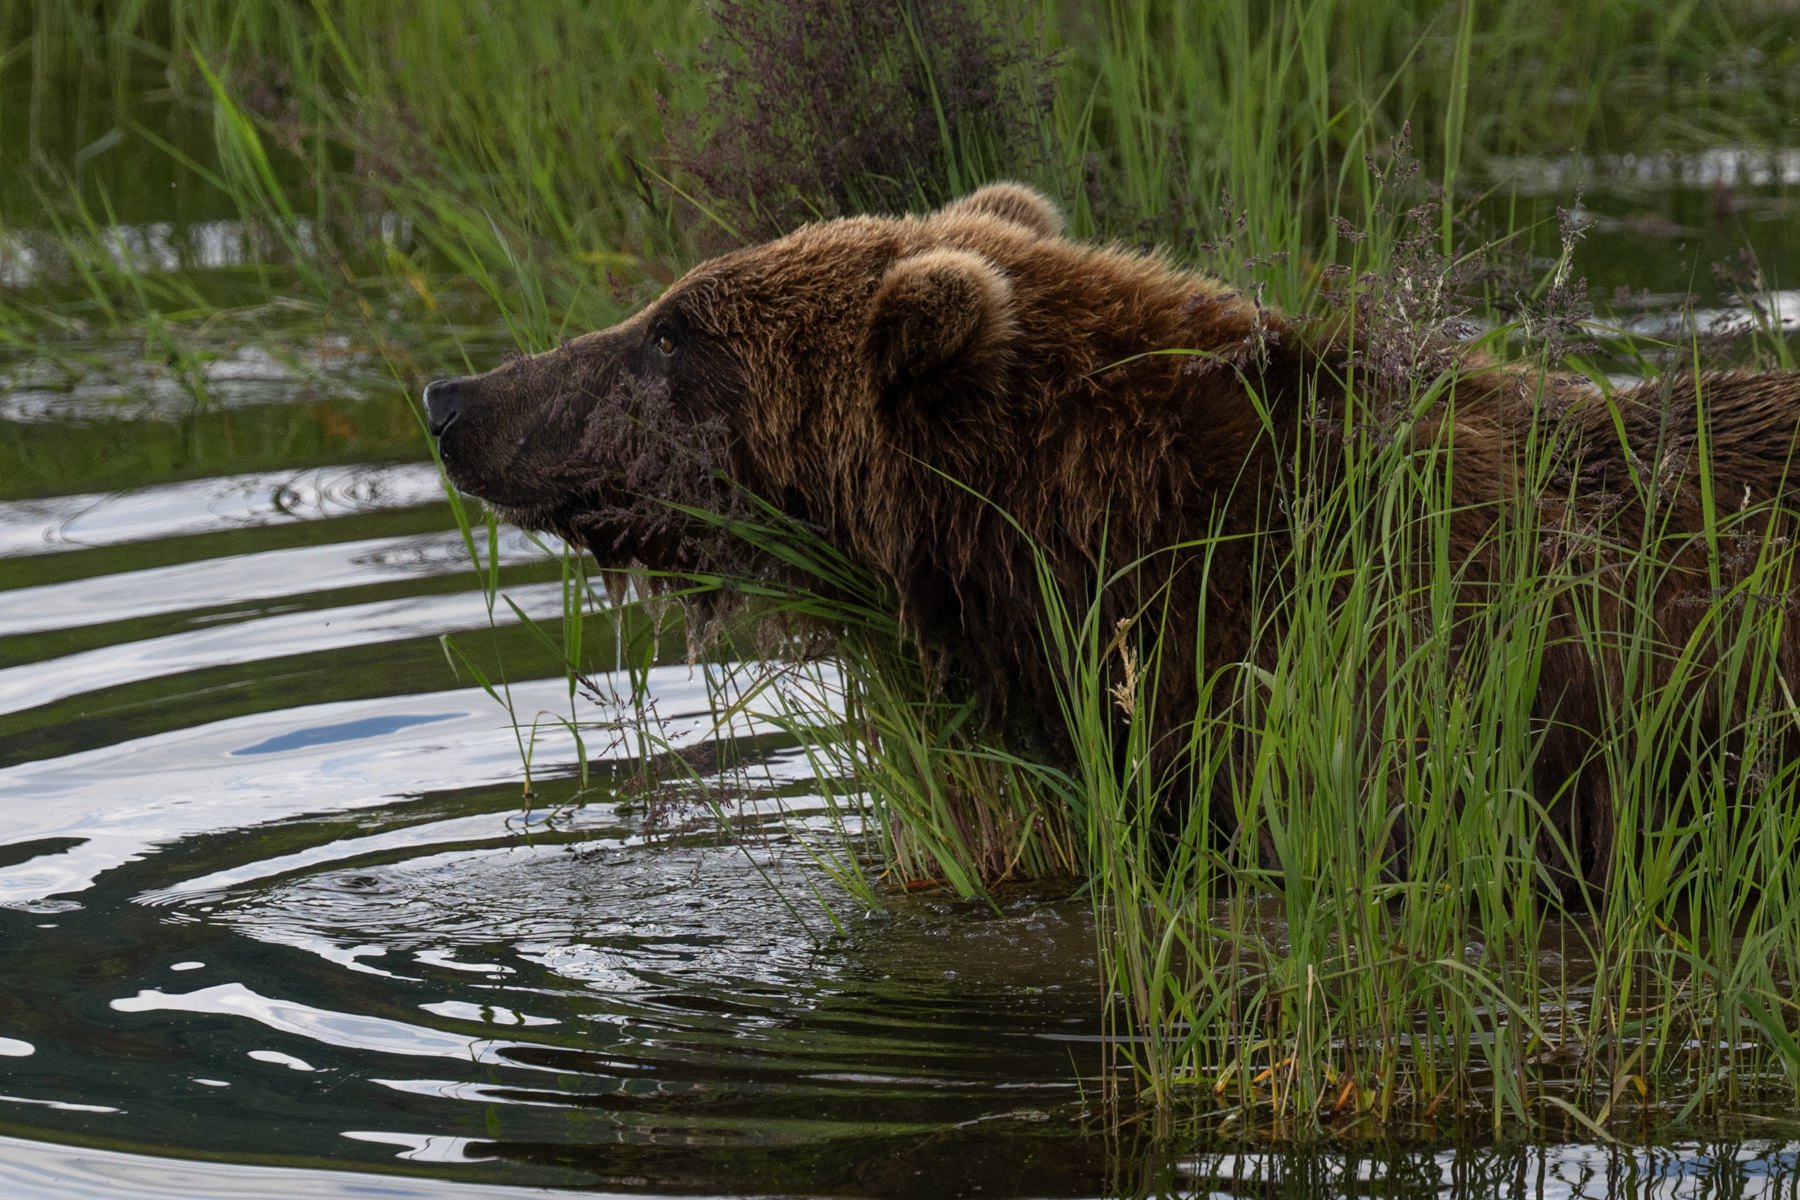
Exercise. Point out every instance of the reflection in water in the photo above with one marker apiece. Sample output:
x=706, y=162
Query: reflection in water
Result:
x=1780, y=311
x=1687, y=1171
x=348, y=1030
x=426, y=1148
x=259, y=638
x=45, y=1171
x=343, y=731
x=205, y=506
x=1695, y=1171
x=128, y=799
x=241, y=578
x=27, y=256
x=1712, y=167
x=112, y=380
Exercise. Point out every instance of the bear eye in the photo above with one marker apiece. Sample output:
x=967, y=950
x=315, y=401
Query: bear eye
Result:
x=665, y=345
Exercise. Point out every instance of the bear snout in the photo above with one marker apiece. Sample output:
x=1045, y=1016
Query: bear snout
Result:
x=443, y=404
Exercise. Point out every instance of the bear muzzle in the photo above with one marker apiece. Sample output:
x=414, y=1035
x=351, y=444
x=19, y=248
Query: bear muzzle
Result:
x=443, y=404
x=453, y=421
x=489, y=451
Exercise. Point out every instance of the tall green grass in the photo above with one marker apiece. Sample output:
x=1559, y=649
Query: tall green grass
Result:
x=1378, y=943
x=1375, y=941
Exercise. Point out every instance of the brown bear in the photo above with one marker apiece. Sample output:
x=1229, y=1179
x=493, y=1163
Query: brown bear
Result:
x=967, y=403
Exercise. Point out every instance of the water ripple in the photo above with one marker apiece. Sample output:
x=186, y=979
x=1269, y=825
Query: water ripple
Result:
x=243, y=578
x=205, y=506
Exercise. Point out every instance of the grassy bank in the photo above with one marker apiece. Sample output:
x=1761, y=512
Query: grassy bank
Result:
x=424, y=177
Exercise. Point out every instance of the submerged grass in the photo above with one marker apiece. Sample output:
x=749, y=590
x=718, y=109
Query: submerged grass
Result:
x=1381, y=943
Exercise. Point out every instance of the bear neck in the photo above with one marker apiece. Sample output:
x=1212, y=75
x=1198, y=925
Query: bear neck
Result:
x=967, y=520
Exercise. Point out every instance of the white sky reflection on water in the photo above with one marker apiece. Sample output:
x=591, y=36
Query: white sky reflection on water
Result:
x=123, y=801
x=201, y=506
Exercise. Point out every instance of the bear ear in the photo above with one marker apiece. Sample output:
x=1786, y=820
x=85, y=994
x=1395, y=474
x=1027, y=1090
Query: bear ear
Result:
x=1023, y=206
x=940, y=318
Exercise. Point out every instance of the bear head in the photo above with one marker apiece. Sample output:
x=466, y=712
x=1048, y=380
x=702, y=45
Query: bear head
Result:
x=808, y=371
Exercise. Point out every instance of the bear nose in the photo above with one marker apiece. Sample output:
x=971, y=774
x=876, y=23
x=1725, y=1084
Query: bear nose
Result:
x=443, y=404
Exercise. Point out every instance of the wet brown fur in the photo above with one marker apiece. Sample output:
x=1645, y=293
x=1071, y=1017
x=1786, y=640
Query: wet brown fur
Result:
x=906, y=385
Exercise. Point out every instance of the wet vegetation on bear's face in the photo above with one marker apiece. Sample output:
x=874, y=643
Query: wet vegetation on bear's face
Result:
x=605, y=441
